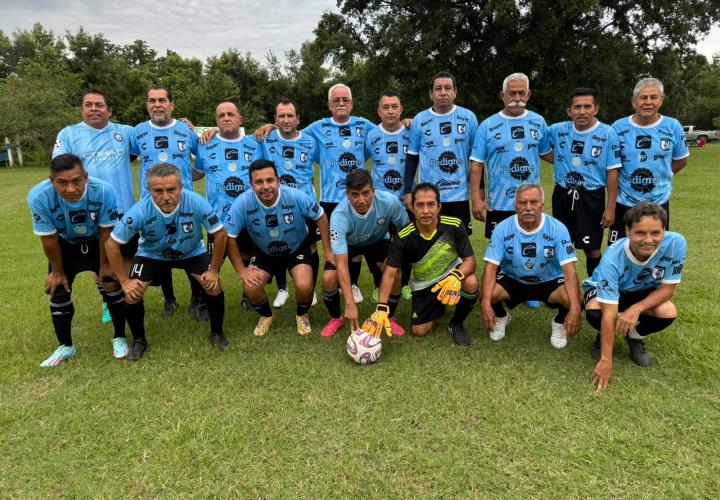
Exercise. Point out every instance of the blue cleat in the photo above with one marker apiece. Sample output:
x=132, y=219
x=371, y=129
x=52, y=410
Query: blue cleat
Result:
x=62, y=353
x=120, y=347
x=533, y=304
x=106, y=318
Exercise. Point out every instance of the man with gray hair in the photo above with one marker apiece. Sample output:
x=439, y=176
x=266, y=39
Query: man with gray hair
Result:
x=652, y=151
x=538, y=263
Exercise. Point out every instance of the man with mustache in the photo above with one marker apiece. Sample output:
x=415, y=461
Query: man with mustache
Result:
x=531, y=257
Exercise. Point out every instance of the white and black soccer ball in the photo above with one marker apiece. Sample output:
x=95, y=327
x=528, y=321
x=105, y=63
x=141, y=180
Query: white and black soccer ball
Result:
x=364, y=348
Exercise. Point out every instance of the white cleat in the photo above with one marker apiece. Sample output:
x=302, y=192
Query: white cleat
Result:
x=558, y=338
x=498, y=332
x=280, y=299
x=314, y=301
x=357, y=294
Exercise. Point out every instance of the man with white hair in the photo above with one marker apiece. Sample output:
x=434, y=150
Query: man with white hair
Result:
x=652, y=150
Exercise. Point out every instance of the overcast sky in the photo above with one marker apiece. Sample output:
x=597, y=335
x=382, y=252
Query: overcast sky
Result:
x=193, y=28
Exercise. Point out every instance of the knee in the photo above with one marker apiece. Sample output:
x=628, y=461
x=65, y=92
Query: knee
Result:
x=421, y=330
x=61, y=296
x=666, y=310
x=329, y=280
x=470, y=284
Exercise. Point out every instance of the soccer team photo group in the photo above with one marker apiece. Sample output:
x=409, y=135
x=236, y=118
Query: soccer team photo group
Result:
x=300, y=211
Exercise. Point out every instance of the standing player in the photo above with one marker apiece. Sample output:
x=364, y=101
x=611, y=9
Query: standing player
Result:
x=163, y=139
x=359, y=226
x=104, y=148
x=586, y=156
x=443, y=269
x=293, y=153
x=73, y=214
x=170, y=222
x=538, y=263
x=440, y=142
x=652, y=149
x=274, y=216
x=629, y=293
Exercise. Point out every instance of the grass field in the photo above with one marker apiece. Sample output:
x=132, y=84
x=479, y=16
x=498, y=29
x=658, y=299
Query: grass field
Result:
x=285, y=416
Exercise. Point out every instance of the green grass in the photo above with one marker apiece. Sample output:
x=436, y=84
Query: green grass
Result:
x=285, y=416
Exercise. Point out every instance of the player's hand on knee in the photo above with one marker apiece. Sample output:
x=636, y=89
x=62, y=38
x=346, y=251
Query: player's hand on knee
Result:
x=448, y=288
x=210, y=281
x=626, y=321
x=54, y=280
x=251, y=277
x=134, y=289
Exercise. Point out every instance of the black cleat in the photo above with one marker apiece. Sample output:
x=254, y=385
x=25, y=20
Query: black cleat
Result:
x=170, y=307
x=246, y=304
x=595, y=349
x=137, y=350
x=218, y=340
x=458, y=335
x=194, y=306
x=637, y=352
x=203, y=315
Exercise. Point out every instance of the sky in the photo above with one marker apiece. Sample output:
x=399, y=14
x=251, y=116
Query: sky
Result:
x=194, y=28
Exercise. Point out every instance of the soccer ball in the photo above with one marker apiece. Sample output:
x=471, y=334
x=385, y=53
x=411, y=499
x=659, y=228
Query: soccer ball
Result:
x=364, y=348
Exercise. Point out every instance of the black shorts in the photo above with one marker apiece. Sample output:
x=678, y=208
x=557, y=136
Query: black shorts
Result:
x=313, y=231
x=460, y=210
x=617, y=230
x=273, y=265
x=130, y=248
x=495, y=217
x=79, y=257
x=626, y=298
x=425, y=306
x=146, y=269
x=374, y=253
x=522, y=292
x=581, y=212
x=328, y=207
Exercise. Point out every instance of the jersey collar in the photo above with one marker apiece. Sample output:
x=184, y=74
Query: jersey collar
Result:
x=634, y=259
x=263, y=205
x=223, y=139
x=534, y=231
x=165, y=127
x=652, y=125
x=347, y=123
x=587, y=131
x=525, y=112
x=173, y=210
x=443, y=114
x=402, y=127
x=294, y=139
x=96, y=130
x=358, y=214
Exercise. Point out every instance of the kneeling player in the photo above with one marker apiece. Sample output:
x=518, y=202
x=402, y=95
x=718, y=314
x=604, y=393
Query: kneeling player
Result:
x=538, y=263
x=443, y=269
x=637, y=277
x=170, y=223
x=73, y=214
x=274, y=216
x=359, y=226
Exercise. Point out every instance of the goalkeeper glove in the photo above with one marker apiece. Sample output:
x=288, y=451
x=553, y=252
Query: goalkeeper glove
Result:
x=378, y=322
x=449, y=288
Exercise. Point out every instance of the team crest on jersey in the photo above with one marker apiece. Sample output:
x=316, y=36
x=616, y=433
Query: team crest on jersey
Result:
x=289, y=218
x=288, y=152
x=528, y=249
x=534, y=134
x=359, y=131
x=303, y=156
x=405, y=149
x=78, y=217
x=333, y=237
x=529, y=265
x=658, y=272
x=595, y=151
x=548, y=252
x=187, y=227
x=461, y=128
x=445, y=128
x=161, y=142
x=93, y=215
x=247, y=155
x=181, y=145
x=664, y=144
x=118, y=137
x=381, y=221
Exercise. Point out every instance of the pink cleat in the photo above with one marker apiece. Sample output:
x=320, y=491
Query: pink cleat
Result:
x=333, y=326
x=396, y=329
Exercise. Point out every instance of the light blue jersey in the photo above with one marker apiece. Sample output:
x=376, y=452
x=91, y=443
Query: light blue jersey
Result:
x=294, y=160
x=277, y=230
x=620, y=272
x=349, y=228
x=510, y=147
x=582, y=158
x=647, y=154
x=226, y=164
x=172, y=144
x=443, y=143
x=388, y=151
x=105, y=154
x=174, y=236
x=341, y=149
x=531, y=257
x=72, y=221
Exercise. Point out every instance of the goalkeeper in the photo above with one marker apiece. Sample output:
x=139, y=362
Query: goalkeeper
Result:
x=443, y=269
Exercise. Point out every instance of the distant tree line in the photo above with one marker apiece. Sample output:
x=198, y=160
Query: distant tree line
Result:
x=377, y=45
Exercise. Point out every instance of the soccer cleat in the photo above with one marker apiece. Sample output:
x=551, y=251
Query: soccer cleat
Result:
x=303, y=324
x=595, y=349
x=203, y=315
x=194, y=306
x=396, y=328
x=62, y=353
x=638, y=353
x=120, y=347
x=314, y=300
x=533, y=304
x=498, y=332
x=137, y=350
x=558, y=337
x=374, y=296
x=170, y=307
x=406, y=292
x=357, y=294
x=246, y=304
x=280, y=299
x=106, y=318
x=263, y=325
x=459, y=336
x=218, y=340
x=333, y=326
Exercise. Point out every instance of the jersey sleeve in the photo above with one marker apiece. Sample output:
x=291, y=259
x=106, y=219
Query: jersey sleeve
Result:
x=677, y=253
x=234, y=221
x=472, y=129
x=415, y=136
x=544, y=146
x=62, y=143
x=608, y=277
x=210, y=220
x=612, y=150
x=338, y=232
x=564, y=248
x=396, y=253
x=108, y=214
x=42, y=219
x=194, y=141
x=398, y=215
x=680, y=150
x=134, y=147
x=369, y=126
x=128, y=227
x=200, y=159
x=479, y=150
x=462, y=242
x=310, y=208
x=552, y=134
x=494, y=253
